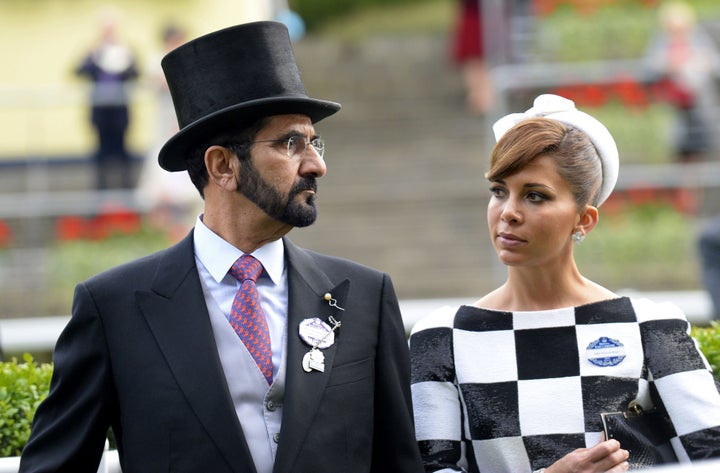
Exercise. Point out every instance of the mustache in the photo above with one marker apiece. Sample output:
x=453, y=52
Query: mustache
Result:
x=304, y=184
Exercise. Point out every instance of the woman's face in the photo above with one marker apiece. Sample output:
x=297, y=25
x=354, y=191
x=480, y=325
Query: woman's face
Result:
x=532, y=215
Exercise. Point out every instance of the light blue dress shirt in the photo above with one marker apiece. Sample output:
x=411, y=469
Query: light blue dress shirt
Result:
x=215, y=256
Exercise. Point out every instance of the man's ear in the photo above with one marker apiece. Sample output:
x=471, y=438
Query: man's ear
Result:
x=222, y=167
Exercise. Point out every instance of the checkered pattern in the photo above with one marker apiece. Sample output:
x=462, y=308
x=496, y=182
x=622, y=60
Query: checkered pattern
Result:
x=247, y=316
x=512, y=392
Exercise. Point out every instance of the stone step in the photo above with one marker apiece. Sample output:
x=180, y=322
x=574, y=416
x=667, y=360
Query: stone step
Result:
x=405, y=191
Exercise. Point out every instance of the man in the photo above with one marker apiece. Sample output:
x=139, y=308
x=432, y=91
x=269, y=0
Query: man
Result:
x=110, y=66
x=152, y=350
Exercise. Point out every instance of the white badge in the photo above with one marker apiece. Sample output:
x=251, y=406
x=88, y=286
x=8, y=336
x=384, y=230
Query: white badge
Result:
x=314, y=360
x=316, y=333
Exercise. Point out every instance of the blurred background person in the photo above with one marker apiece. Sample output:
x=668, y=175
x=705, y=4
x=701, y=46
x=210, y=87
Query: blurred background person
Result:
x=109, y=65
x=171, y=198
x=685, y=64
x=709, y=246
x=468, y=52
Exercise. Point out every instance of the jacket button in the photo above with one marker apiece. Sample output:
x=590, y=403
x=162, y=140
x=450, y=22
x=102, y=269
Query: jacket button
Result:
x=276, y=438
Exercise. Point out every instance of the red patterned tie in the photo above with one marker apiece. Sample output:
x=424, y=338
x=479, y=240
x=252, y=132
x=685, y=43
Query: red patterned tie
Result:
x=247, y=316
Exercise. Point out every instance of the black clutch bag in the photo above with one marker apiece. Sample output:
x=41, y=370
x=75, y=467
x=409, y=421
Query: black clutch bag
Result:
x=644, y=433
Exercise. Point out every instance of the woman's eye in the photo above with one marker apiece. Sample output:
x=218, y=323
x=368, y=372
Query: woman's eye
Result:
x=497, y=191
x=535, y=197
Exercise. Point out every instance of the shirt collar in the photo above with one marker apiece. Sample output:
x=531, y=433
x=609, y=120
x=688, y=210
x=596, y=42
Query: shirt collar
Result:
x=217, y=255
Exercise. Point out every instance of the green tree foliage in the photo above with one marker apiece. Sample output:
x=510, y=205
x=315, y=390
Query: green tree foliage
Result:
x=319, y=12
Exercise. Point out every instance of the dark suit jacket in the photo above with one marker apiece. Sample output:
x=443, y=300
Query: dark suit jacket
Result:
x=139, y=355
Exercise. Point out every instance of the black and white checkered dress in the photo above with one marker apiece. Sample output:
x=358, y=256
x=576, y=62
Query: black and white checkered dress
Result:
x=512, y=392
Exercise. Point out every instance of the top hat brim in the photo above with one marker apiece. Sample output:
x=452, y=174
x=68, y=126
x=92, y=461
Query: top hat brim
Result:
x=173, y=154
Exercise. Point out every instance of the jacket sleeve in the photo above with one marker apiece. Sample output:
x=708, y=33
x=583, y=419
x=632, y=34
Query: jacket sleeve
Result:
x=394, y=446
x=70, y=426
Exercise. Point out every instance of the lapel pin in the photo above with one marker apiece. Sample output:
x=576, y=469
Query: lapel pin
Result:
x=331, y=302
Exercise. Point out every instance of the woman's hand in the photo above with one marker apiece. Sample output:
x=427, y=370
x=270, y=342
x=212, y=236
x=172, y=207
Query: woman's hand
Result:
x=607, y=456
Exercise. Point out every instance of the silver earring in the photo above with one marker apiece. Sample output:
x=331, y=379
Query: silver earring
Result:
x=578, y=237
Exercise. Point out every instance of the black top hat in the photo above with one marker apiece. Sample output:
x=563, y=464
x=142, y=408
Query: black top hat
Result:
x=227, y=79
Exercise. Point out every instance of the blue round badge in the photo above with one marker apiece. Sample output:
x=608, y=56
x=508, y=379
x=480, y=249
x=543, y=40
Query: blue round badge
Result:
x=605, y=352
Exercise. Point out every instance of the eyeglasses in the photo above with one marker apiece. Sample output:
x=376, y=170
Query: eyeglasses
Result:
x=297, y=145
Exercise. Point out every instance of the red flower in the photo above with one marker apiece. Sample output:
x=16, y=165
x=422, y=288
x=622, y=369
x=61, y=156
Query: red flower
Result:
x=587, y=95
x=642, y=194
x=116, y=219
x=70, y=228
x=593, y=96
x=614, y=204
x=5, y=235
x=544, y=7
x=684, y=200
x=630, y=92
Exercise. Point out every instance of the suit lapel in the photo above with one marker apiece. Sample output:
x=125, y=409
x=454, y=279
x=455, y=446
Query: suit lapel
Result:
x=303, y=391
x=177, y=315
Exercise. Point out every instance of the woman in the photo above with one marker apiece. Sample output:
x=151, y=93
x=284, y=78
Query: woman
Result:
x=516, y=381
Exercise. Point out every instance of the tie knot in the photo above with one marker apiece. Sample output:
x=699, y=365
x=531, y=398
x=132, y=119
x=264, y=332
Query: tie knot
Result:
x=246, y=267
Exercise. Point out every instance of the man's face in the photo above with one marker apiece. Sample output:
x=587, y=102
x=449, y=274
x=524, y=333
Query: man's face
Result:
x=283, y=185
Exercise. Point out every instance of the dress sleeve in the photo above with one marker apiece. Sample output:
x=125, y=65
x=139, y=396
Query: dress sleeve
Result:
x=683, y=380
x=436, y=398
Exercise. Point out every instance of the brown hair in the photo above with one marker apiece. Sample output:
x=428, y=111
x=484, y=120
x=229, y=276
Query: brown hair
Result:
x=578, y=162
